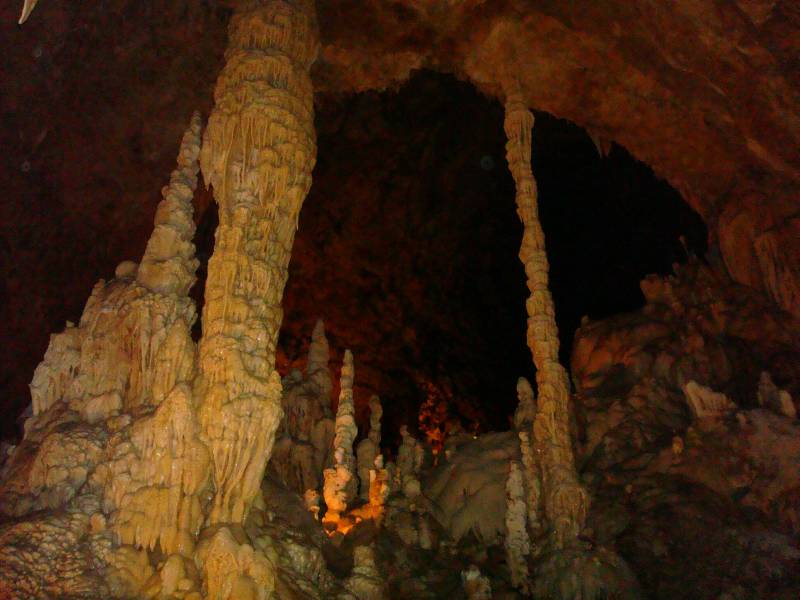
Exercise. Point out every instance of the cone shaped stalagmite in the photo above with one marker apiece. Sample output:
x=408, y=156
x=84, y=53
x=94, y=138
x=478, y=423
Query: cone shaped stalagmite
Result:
x=565, y=500
x=258, y=152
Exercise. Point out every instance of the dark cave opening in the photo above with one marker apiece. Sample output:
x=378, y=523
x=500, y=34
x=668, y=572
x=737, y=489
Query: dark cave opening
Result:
x=407, y=246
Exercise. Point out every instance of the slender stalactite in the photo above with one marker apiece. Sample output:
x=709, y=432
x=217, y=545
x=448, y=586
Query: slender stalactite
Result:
x=565, y=500
x=258, y=152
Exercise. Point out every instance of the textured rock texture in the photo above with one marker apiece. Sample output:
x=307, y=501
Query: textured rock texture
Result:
x=657, y=471
x=258, y=153
x=706, y=93
x=565, y=501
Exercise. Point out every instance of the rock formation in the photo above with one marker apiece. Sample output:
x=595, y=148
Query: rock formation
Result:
x=461, y=489
x=410, y=457
x=304, y=442
x=525, y=414
x=341, y=482
x=662, y=469
x=706, y=403
x=141, y=472
x=565, y=501
x=116, y=433
x=370, y=447
x=517, y=542
x=364, y=582
x=317, y=364
x=258, y=153
x=114, y=440
x=476, y=586
x=776, y=399
x=532, y=482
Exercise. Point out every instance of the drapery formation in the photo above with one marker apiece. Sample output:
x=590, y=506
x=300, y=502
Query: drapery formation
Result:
x=565, y=501
x=258, y=153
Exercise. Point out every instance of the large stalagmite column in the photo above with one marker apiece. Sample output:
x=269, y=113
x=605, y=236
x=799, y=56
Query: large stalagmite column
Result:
x=565, y=500
x=258, y=152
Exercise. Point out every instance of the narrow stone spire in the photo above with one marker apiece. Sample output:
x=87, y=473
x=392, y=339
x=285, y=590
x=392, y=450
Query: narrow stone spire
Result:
x=340, y=485
x=346, y=429
x=566, y=502
x=169, y=264
x=370, y=447
x=318, y=358
x=526, y=405
x=517, y=542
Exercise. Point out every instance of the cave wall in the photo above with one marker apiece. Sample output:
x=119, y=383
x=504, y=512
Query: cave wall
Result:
x=705, y=92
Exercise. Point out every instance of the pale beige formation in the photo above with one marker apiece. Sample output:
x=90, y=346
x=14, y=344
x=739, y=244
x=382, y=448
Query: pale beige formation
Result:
x=318, y=357
x=532, y=482
x=380, y=486
x=258, y=152
x=346, y=429
x=565, y=500
x=517, y=542
x=113, y=444
x=410, y=457
x=304, y=443
x=370, y=447
x=526, y=406
x=341, y=484
x=476, y=585
x=232, y=569
x=778, y=400
x=705, y=403
x=467, y=493
x=365, y=581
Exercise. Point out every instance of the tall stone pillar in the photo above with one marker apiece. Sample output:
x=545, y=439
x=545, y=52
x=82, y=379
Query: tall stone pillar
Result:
x=258, y=153
x=565, y=500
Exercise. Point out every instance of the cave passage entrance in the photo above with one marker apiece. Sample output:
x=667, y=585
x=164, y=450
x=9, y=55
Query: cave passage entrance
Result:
x=407, y=246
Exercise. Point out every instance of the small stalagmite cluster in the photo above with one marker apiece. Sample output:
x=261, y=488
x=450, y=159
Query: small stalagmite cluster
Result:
x=303, y=447
x=341, y=483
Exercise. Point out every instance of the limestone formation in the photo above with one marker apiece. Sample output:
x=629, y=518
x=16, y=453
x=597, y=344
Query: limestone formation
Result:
x=565, y=501
x=706, y=403
x=318, y=358
x=311, y=499
x=258, y=152
x=532, y=483
x=346, y=429
x=369, y=448
x=364, y=582
x=526, y=406
x=476, y=586
x=410, y=457
x=305, y=439
x=379, y=486
x=468, y=493
x=113, y=442
x=232, y=569
x=341, y=485
x=770, y=396
x=517, y=542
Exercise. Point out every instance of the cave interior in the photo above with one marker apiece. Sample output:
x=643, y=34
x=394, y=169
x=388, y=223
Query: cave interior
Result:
x=533, y=333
